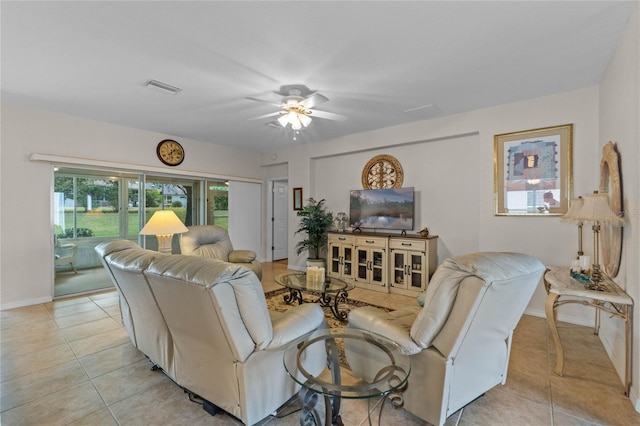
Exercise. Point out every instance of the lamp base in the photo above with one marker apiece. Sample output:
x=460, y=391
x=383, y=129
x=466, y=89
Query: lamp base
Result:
x=596, y=274
x=164, y=243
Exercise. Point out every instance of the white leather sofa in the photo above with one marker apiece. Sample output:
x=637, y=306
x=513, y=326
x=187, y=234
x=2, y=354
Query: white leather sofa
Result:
x=206, y=323
x=459, y=342
x=141, y=316
x=213, y=241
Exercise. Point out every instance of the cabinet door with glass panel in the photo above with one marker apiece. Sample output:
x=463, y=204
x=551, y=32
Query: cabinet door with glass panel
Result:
x=408, y=270
x=341, y=256
x=413, y=261
x=371, y=267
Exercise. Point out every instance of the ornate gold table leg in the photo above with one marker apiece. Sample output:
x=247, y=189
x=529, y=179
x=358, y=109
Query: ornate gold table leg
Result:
x=628, y=317
x=550, y=309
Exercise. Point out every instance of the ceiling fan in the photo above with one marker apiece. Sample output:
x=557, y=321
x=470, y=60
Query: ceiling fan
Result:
x=297, y=103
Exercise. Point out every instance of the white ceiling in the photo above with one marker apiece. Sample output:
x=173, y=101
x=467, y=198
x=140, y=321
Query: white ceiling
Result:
x=373, y=60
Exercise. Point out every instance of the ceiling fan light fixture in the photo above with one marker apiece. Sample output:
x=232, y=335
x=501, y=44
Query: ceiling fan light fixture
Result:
x=304, y=119
x=296, y=124
x=296, y=119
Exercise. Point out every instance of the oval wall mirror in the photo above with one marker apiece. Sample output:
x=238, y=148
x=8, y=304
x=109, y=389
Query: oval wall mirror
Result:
x=610, y=183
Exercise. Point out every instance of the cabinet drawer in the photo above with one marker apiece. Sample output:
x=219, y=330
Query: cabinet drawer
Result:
x=345, y=239
x=371, y=242
x=408, y=244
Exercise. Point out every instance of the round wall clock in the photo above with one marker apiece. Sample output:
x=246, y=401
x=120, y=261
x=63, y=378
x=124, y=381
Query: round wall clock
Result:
x=170, y=152
x=382, y=172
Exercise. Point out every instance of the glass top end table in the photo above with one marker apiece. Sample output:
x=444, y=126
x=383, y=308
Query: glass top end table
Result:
x=331, y=292
x=371, y=366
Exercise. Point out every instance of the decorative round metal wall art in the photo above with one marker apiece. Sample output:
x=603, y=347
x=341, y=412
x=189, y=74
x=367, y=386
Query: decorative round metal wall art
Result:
x=382, y=172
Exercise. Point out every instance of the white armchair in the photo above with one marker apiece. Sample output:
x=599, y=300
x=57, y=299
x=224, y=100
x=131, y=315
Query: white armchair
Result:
x=213, y=242
x=460, y=340
x=65, y=255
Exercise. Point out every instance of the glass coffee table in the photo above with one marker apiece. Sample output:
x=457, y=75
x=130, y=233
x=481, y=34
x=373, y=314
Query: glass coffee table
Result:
x=330, y=293
x=372, y=366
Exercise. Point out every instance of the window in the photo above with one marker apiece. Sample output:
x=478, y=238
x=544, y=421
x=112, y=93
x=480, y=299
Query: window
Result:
x=87, y=206
x=218, y=203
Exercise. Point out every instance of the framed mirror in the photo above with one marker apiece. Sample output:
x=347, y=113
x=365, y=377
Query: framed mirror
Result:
x=611, y=184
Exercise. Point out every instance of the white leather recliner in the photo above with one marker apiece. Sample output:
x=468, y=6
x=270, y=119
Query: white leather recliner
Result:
x=213, y=241
x=228, y=348
x=459, y=342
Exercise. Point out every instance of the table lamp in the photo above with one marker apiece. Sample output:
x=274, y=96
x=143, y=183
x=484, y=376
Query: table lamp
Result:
x=572, y=216
x=595, y=208
x=163, y=224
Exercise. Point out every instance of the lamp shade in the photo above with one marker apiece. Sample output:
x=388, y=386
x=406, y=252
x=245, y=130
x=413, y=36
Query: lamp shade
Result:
x=595, y=208
x=572, y=214
x=164, y=222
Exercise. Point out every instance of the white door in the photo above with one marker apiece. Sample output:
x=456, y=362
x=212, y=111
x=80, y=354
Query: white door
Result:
x=279, y=220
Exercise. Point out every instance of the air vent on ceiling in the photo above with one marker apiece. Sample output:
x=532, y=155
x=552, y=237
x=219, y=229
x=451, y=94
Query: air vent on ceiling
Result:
x=162, y=87
x=424, y=111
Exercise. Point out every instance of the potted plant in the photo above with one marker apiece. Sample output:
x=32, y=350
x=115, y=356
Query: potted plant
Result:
x=315, y=222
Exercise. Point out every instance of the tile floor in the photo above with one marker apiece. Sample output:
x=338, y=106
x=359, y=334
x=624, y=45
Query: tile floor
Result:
x=70, y=362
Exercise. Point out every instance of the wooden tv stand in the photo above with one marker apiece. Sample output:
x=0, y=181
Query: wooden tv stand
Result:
x=388, y=263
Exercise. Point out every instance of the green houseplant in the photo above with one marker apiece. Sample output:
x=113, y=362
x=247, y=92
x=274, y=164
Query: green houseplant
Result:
x=315, y=222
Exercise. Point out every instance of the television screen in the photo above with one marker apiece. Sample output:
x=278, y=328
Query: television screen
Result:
x=381, y=208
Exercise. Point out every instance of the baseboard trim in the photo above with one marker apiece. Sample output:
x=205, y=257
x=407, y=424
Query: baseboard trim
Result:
x=561, y=317
x=23, y=303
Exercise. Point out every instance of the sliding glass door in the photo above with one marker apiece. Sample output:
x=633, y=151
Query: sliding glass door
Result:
x=169, y=193
x=89, y=207
x=92, y=206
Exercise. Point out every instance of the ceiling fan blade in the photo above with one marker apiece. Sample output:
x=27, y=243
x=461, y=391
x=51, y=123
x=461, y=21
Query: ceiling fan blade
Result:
x=265, y=101
x=313, y=100
x=272, y=114
x=327, y=115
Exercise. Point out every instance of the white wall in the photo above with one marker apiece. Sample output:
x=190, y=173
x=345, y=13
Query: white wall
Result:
x=620, y=123
x=27, y=251
x=245, y=220
x=449, y=161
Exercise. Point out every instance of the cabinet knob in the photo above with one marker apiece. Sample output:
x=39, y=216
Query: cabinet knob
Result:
x=369, y=241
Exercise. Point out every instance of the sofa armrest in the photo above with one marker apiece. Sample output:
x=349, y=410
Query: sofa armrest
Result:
x=394, y=326
x=296, y=322
x=242, y=256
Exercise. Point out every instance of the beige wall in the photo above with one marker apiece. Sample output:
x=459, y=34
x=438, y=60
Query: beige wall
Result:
x=26, y=245
x=620, y=122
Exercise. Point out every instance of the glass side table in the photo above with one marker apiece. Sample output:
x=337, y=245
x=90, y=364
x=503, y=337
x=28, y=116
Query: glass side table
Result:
x=376, y=368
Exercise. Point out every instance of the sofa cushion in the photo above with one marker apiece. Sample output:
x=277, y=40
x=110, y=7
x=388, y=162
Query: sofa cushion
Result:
x=393, y=325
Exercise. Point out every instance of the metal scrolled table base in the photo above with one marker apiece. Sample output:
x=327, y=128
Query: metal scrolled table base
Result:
x=332, y=397
x=323, y=300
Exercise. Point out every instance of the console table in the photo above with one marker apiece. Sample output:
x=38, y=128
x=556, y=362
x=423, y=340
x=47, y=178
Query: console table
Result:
x=612, y=299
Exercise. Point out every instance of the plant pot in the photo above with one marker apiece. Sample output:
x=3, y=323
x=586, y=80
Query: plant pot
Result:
x=320, y=263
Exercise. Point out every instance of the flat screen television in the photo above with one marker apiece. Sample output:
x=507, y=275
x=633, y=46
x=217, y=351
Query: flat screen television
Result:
x=382, y=208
